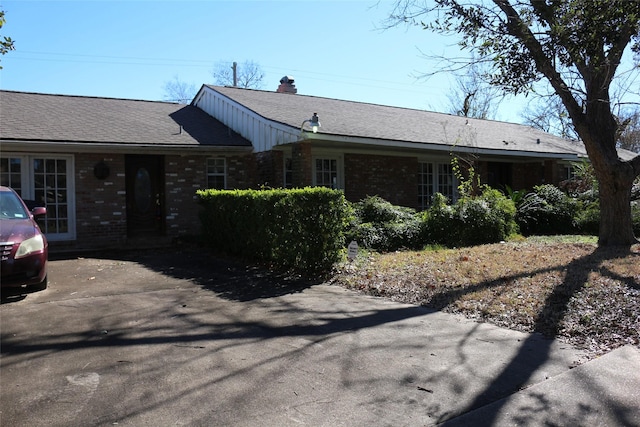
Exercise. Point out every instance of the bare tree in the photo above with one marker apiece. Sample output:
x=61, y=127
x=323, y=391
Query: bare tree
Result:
x=179, y=91
x=577, y=47
x=547, y=113
x=473, y=96
x=248, y=75
x=629, y=138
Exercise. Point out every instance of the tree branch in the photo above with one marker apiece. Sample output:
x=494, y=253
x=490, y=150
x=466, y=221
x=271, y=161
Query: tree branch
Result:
x=521, y=31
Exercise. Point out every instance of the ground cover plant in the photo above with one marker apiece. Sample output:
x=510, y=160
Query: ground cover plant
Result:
x=561, y=287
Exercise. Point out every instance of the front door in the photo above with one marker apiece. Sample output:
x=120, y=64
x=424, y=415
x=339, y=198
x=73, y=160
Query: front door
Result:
x=144, y=176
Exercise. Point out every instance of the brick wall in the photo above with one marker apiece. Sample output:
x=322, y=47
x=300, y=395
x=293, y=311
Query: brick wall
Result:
x=184, y=175
x=101, y=211
x=393, y=178
x=526, y=175
x=270, y=169
x=301, y=164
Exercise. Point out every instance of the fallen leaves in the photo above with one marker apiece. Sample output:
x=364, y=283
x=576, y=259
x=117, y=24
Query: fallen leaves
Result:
x=587, y=295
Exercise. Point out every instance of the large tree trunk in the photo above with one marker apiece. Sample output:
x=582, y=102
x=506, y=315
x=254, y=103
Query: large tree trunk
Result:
x=615, y=176
x=616, y=226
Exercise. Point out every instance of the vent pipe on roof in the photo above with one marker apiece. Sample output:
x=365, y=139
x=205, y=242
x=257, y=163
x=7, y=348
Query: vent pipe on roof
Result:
x=287, y=86
x=235, y=74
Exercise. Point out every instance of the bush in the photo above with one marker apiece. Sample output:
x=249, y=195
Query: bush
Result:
x=302, y=229
x=441, y=225
x=546, y=211
x=488, y=218
x=384, y=227
x=587, y=220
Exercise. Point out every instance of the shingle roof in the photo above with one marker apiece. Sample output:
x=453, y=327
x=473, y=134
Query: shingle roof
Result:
x=62, y=118
x=356, y=119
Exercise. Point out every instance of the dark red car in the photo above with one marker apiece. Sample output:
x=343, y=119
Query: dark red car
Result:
x=23, y=246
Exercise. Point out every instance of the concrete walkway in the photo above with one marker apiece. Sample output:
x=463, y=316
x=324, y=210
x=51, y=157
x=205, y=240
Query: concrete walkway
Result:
x=181, y=339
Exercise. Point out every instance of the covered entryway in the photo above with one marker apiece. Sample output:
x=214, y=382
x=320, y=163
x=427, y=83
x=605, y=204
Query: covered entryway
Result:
x=144, y=175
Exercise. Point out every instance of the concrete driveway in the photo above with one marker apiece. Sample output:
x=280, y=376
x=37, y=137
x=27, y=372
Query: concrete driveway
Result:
x=179, y=338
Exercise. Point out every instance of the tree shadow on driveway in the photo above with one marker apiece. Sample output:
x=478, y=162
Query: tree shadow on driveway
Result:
x=549, y=322
x=229, y=278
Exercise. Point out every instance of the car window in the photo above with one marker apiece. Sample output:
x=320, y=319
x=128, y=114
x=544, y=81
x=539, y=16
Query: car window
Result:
x=10, y=207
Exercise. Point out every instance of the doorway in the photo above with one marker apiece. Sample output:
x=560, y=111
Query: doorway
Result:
x=144, y=181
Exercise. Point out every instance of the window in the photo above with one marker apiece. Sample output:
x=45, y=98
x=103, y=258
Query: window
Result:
x=326, y=173
x=425, y=184
x=217, y=173
x=569, y=172
x=11, y=173
x=50, y=186
x=446, y=181
x=288, y=172
x=48, y=180
x=435, y=178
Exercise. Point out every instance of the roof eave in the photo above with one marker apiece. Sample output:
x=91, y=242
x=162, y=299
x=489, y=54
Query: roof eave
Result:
x=93, y=147
x=439, y=147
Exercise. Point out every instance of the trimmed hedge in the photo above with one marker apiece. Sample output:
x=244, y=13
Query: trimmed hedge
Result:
x=301, y=229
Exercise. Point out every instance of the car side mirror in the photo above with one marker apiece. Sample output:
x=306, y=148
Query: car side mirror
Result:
x=39, y=211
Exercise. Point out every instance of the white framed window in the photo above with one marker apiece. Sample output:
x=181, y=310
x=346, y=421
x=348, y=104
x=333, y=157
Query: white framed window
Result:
x=569, y=172
x=217, y=173
x=435, y=178
x=288, y=172
x=327, y=172
x=11, y=173
x=48, y=180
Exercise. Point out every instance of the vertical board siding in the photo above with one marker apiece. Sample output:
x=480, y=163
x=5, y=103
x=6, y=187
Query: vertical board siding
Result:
x=260, y=131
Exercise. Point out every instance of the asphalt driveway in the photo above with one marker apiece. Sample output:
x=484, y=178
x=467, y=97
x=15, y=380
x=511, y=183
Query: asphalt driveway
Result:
x=180, y=338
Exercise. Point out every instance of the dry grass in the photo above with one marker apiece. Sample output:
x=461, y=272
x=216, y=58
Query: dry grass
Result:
x=574, y=291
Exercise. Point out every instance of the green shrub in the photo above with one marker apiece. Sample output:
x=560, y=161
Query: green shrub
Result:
x=301, y=229
x=545, y=211
x=384, y=227
x=487, y=218
x=587, y=219
x=441, y=225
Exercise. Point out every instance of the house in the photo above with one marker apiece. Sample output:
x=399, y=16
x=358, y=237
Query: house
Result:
x=123, y=173
x=402, y=155
x=116, y=172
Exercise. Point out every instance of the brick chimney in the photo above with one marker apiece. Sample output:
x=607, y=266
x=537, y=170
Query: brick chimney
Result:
x=286, y=85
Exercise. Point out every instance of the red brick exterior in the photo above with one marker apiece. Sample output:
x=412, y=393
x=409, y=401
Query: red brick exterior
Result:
x=527, y=175
x=101, y=211
x=270, y=169
x=395, y=179
x=301, y=163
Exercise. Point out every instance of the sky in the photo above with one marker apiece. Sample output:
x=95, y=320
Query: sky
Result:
x=131, y=49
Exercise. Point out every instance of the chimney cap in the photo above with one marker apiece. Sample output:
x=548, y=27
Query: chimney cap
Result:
x=287, y=79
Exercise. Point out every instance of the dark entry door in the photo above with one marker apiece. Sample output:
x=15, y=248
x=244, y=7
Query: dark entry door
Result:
x=500, y=175
x=144, y=176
